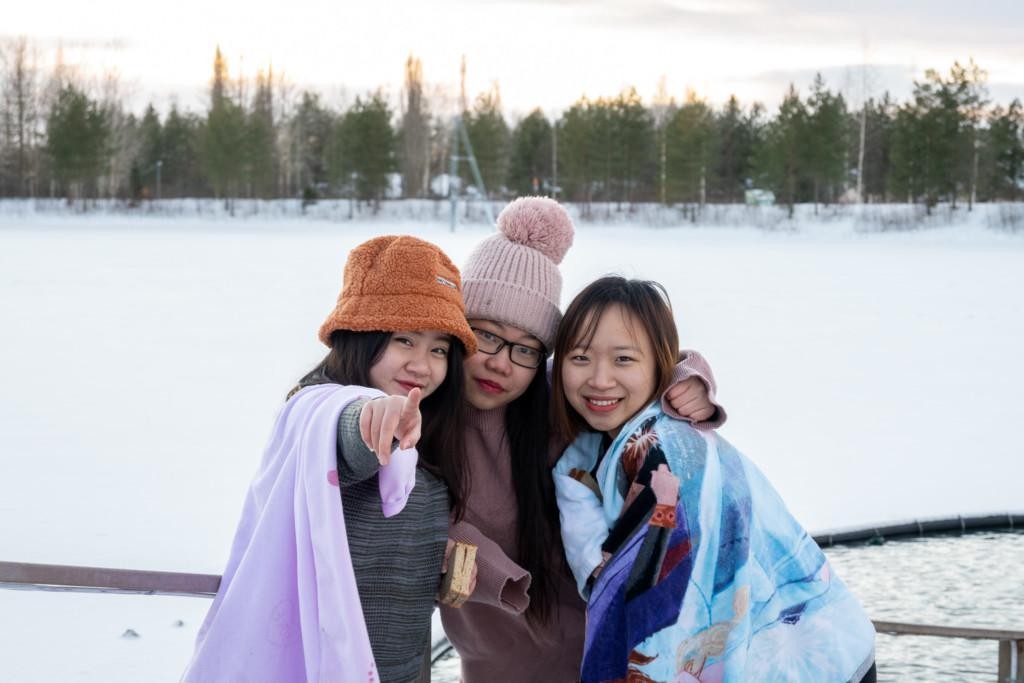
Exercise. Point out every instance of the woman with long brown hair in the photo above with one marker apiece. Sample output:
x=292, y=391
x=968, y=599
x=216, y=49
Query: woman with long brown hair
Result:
x=524, y=621
x=337, y=560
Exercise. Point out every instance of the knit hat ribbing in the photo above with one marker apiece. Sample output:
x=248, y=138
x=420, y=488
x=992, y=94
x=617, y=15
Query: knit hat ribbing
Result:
x=513, y=277
x=399, y=283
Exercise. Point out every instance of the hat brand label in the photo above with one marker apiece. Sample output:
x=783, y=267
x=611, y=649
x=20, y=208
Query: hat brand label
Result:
x=446, y=283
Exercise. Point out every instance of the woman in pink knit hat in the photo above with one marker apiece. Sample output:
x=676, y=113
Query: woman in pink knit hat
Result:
x=525, y=620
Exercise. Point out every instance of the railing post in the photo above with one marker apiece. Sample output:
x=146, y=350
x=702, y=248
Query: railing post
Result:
x=1011, y=661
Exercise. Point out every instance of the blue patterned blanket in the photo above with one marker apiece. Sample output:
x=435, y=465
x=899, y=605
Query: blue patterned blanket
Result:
x=737, y=590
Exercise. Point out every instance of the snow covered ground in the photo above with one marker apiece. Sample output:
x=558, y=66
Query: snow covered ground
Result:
x=873, y=376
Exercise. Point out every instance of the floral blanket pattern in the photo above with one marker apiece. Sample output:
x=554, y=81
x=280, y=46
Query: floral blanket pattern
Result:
x=736, y=591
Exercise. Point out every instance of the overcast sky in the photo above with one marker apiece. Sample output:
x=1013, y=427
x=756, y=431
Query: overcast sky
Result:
x=542, y=53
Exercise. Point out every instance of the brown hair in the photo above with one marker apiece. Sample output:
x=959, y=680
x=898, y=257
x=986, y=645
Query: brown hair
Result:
x=651, y=310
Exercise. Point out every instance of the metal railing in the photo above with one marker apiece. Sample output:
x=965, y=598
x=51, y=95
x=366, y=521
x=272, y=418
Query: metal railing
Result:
x=1011, y=643
x=60, y=577
x=50, y=577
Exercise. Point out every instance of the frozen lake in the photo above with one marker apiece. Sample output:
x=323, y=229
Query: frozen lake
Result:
x=873, y=377
x=971, y=580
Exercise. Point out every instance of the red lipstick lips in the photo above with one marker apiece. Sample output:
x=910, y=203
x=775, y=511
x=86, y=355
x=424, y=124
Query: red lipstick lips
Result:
x=489, y=387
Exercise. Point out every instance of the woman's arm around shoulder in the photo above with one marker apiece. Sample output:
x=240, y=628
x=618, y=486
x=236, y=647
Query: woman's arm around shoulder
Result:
x=691, y=395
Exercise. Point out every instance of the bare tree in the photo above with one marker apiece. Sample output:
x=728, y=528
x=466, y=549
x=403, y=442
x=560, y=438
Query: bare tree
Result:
x=414, y=149
x=122, y=142
x=463, y=102
x=284, y=109
x=662, y=107
x=445, y=106
x=864, y=93
x=19, y=128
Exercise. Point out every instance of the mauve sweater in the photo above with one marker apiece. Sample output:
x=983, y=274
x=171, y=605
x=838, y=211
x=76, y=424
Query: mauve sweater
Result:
x=490, y=632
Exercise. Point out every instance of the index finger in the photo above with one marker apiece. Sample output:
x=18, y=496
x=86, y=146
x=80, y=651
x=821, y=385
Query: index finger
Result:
x=412, y=402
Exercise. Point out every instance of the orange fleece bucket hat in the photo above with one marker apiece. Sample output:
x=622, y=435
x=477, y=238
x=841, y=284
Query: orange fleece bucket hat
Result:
x=400, y=283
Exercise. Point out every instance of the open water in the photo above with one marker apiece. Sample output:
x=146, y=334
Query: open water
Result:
x=973, y=580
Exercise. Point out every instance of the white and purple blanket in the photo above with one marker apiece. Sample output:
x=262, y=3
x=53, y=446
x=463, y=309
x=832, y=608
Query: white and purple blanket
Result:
x=287, y=608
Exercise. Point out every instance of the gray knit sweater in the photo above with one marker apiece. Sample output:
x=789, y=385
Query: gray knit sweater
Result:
x=397, y=560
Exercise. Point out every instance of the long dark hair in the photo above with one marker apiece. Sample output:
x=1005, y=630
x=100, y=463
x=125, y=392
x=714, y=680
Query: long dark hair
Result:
x=651, y=310
x=442, y=443
x=526, y=423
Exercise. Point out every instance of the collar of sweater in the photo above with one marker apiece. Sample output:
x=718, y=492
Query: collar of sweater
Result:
x=489, y=421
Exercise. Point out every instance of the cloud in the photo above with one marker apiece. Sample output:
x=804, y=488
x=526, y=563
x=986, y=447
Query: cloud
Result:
x=913, y=23
x=853, y=81
x=113, y=44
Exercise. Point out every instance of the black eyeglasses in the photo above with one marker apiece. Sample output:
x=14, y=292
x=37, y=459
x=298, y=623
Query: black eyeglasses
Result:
x=520, y=354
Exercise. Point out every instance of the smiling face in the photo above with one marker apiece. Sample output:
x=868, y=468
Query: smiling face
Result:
x=493, y=381
x=613, y=377
x=412, y=359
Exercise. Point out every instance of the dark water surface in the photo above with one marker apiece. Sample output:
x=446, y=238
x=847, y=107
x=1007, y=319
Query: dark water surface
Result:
x=973, y=580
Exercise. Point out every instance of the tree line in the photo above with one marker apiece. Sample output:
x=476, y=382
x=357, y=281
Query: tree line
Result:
x=258, y=138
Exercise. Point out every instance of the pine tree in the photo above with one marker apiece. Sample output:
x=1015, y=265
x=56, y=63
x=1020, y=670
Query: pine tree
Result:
x=826, y=143
x=181, y=174
x=601, y=148
x=737, y=135
x=260, y=148
x=530, y=164
x=927, y=149
x=781, y=158
x=315, y=151
x=76, y=135
x=607, y=150
x=136, y=186
x=691, y=150
x=150, y=136
x=367, y=147
x=577, y=163
x=1004, y=144
x=908, y=177
x=632, y=146
x=490, y=137
x=968, y=85
x=945, y=112
x=223, y=136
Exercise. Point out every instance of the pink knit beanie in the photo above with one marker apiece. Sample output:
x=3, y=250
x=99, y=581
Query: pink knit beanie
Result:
x=513, y=277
